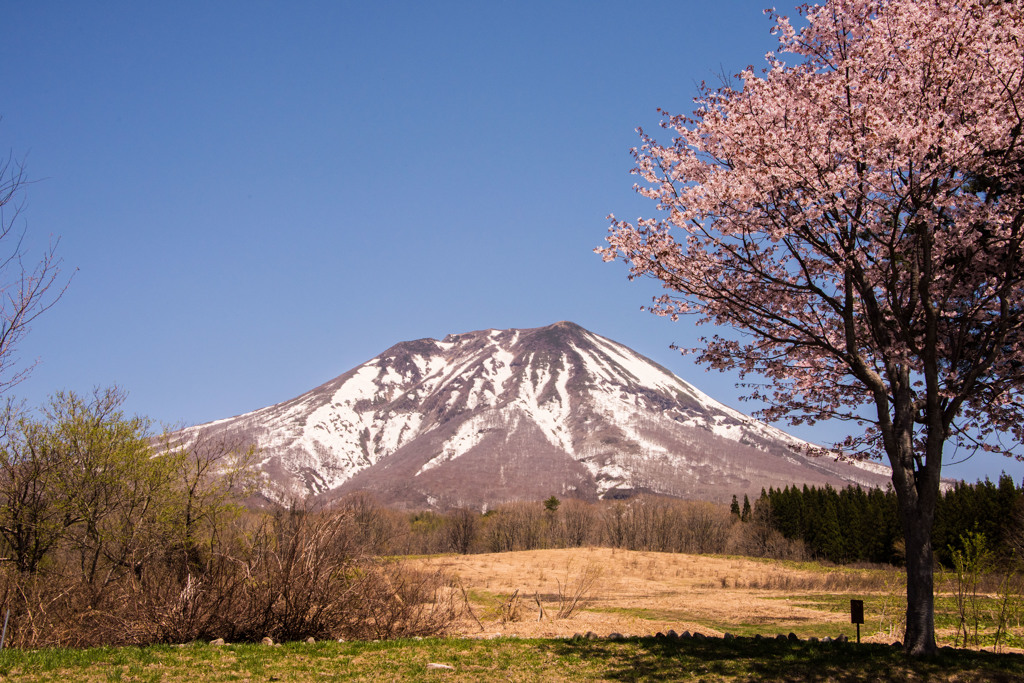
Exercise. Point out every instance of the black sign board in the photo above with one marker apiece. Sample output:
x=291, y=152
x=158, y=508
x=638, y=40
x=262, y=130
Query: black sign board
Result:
x=856, y=611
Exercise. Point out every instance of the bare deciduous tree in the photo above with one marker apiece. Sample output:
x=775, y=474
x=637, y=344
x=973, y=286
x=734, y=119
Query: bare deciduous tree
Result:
x=27, y=289
x=462, y=529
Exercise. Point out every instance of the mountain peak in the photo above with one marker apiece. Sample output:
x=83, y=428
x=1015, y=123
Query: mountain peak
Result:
x=482, y=417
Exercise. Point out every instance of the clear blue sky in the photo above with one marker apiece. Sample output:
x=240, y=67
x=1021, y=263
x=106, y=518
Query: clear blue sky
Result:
x=259, y=196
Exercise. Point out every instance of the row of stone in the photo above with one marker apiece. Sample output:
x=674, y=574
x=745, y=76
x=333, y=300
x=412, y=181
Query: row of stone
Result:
x=266, y=641
x=686, y=635
x=671, y=635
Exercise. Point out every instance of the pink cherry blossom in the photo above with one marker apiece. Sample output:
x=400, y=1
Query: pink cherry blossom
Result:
x=856, y=211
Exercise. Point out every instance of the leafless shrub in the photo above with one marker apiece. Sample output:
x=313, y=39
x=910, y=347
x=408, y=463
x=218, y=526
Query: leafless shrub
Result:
x=510, y=608
x=892, y=612
x=1008, y=603
x=377, y=529
x=758, y=538
x=289, y=576
x=575, y=592
x=297, y=571
x=398, y=601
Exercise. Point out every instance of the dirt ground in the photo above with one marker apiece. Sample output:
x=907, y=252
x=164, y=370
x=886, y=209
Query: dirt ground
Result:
x=641, y=593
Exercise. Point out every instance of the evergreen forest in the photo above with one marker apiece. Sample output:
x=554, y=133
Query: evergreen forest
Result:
x=856, y=525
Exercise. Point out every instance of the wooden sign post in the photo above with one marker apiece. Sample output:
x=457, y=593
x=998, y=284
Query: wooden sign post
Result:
x=857, y=615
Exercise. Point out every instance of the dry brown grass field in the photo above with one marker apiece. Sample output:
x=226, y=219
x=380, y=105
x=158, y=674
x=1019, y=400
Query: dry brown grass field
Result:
x=642, y=593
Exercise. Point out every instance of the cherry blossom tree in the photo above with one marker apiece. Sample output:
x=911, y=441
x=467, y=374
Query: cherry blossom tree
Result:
x=857, y=216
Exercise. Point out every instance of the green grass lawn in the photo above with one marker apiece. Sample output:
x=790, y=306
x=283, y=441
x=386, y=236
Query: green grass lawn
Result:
x=742, y=659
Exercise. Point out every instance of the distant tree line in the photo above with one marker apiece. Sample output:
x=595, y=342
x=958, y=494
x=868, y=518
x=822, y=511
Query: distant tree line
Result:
x=857, y=525
x=646, y=523
x=843, y=526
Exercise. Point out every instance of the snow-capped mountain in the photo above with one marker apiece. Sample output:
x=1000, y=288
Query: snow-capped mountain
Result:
x=495, y=415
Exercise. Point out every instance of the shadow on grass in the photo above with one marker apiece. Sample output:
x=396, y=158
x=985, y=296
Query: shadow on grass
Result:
x=748, y=659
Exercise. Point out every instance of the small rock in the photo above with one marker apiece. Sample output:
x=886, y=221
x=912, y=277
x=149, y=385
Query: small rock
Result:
x=217, y=641
x=433, y=665
x=897, y=643
x=590, y=635
x=841, y=638
x=793, y=637
x=686, y=634
x=267, y=640
x=812, y=639
x=827, y=639
x=616, y=636
x=758, y=636
x=311, y=641
x=699, y=636
x=672, y=634
x=781, y=637
x=728, y=636
x=659, y=635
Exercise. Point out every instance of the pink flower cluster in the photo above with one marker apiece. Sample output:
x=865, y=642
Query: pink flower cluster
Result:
x=858, y=216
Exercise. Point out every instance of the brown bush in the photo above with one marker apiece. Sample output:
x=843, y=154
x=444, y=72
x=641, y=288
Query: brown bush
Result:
x=396, y=601
x=758, y=538
x=288, y=576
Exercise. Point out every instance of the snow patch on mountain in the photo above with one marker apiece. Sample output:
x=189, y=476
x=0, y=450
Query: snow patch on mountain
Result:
x=466, y=437
x=551, y=415
x=501, y=367
x=638, y=369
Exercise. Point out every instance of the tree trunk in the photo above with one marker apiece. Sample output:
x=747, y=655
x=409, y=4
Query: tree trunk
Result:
x=915, y=478
x=920, y=634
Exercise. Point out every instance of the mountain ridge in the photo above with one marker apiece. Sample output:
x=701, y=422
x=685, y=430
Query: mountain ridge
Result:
x=483, y=417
